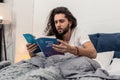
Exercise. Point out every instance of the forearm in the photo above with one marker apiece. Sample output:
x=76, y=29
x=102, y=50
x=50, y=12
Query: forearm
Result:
x=89, y=52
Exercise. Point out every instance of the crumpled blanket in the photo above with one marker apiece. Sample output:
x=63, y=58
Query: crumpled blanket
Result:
x=4, y=64
x=84, y=68
x=75, y=68
x=12, y=72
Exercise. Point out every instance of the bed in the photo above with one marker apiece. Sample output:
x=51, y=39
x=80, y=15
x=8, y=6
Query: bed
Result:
x=104, y=67
x=109, y=45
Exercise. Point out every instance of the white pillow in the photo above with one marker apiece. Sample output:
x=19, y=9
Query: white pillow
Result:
x=114, y=68
x=104, y=58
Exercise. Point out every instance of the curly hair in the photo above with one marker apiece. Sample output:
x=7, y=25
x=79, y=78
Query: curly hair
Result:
x=50, y=29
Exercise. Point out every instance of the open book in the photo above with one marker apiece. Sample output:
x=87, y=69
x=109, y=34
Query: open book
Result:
x=31, y=39
x=44, y=44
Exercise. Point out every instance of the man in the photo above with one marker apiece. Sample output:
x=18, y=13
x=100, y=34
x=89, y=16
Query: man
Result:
x=63, y=25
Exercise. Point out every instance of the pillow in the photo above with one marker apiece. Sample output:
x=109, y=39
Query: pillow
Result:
x=117, y=54
x=94, y=39
x=108, y=42
x=114, y=68
x=104, y=58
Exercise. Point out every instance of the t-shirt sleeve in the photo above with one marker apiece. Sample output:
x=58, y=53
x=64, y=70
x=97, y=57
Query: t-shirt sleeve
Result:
x=82, y=36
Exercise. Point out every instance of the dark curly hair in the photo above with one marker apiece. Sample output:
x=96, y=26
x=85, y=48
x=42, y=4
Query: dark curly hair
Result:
x=50, y=29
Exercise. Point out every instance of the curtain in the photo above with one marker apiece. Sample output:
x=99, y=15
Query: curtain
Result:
x=0, y=43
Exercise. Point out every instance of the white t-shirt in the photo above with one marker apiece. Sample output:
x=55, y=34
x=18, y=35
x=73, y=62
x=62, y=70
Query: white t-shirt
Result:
x=78, y=38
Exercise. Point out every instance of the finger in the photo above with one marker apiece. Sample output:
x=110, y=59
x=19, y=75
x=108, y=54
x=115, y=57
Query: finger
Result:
x=59, y=46
x=28, y=44
x=31, y=54
x=32, y=45
x=32, y=48
x=59, y=50
x=61, y=41
x=31, y=51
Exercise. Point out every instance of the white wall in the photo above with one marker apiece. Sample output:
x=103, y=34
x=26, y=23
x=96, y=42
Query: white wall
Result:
x=23, y=16
x=93, y=15
x=6, y=10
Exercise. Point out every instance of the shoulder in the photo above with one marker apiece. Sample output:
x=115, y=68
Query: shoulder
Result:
x=81, y=35
x=78, y=31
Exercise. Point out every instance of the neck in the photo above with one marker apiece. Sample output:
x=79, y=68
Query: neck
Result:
x=67, y=36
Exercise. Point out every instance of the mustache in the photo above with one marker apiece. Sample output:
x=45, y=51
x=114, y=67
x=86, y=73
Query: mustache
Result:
x=59, y=28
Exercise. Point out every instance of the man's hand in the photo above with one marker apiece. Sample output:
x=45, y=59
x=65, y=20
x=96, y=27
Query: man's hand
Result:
x=62, y=47
x=31, y=48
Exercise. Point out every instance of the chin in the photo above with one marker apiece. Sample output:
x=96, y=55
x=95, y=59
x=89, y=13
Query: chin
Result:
x=60, y=32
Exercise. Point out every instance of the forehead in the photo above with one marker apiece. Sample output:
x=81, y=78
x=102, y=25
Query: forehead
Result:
x=59, y=16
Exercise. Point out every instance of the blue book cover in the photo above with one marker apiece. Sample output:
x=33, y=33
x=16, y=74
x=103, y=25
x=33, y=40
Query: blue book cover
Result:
x=31, y=39
x=45, y=45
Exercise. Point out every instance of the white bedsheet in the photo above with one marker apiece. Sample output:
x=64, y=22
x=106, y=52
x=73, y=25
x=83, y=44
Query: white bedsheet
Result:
x=114, y=67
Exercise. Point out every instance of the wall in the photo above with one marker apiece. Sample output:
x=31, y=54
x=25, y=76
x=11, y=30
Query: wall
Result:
x=6, y=9
x=93, y=15
x=23, y=15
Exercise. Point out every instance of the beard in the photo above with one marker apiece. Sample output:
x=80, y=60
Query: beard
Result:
x=61, y=32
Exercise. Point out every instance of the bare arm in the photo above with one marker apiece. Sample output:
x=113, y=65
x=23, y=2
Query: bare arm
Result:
x=87, y=49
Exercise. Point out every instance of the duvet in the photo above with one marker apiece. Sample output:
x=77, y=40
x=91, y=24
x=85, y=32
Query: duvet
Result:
x=55, y=68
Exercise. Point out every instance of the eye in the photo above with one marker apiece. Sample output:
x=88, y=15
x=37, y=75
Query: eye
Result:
x=61, y=21
x=55, y=22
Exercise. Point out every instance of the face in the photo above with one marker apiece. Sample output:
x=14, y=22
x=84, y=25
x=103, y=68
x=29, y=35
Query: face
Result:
x=62, y=24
